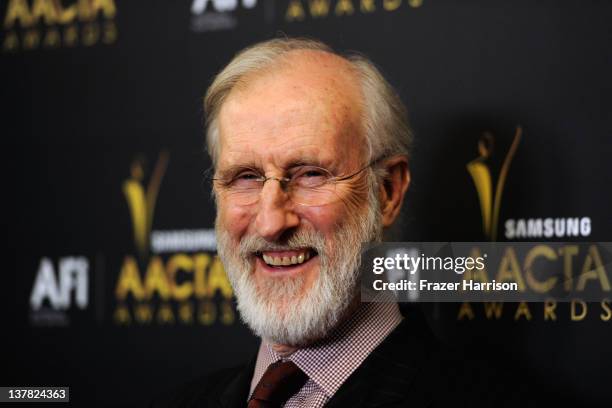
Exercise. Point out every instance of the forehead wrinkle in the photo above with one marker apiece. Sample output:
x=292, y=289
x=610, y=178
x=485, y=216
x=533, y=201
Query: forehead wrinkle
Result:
x=250, y=112
x=282, y=159
x=282, y=125
x=331, y=113
x=279, y=137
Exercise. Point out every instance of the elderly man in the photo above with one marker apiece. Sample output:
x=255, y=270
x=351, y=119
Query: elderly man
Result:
x=310, y=153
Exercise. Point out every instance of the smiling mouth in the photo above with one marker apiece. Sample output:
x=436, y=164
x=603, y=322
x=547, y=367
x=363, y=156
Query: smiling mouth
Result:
x=286, y=258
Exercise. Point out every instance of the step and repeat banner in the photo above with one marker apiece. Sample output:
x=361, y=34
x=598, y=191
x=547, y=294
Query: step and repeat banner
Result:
x=113, y=286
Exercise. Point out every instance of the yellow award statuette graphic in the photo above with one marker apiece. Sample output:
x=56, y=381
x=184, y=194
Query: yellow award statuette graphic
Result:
x=478, y=169
x=141, y=202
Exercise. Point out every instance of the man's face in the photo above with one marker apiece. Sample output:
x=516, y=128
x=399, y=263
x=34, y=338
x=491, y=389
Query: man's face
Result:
x=306, y=114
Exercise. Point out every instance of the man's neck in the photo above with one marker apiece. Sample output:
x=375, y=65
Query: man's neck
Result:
x=283, y=350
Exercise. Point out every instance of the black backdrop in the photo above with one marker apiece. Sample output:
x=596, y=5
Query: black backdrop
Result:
x=95, y=95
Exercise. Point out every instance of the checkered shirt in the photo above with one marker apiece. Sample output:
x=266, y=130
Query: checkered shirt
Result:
x=329, y=362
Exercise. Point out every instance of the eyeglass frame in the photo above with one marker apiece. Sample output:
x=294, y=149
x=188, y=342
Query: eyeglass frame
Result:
x=284, y=181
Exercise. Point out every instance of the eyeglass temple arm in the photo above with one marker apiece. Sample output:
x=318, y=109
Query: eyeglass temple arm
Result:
x=372, y=163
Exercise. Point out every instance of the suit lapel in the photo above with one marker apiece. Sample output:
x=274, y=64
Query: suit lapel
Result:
x=391, y=375
x=235, y=391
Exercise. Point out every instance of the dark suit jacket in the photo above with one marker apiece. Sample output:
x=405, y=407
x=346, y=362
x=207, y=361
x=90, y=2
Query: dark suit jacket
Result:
x=408, y=369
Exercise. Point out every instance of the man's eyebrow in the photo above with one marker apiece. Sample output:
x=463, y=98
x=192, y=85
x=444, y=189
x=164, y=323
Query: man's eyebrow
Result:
x=306, y=162
x=235, y=168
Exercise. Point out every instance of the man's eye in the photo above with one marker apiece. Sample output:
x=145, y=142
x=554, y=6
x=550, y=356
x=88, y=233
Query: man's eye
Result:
x=246, y=176
x=311, y=177
x=245, y=181
x=313, y=173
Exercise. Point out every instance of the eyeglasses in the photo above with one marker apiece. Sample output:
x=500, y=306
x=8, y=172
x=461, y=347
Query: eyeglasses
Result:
x=305, y=185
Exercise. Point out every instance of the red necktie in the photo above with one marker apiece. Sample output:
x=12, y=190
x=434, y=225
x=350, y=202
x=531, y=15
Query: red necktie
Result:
x=280, y=381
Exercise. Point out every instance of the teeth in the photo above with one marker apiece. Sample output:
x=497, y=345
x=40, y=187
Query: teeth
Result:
x=285, y=260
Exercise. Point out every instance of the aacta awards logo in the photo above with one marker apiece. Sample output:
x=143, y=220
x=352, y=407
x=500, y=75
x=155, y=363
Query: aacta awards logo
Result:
x=49, y=24
x=172, y=280
x=578, y=268
x=300, y=10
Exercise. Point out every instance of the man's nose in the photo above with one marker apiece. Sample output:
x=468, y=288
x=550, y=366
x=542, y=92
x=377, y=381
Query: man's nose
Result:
x=275, y=213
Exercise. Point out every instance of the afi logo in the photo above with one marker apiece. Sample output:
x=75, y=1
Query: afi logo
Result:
x=57, y=288
x=199, y=6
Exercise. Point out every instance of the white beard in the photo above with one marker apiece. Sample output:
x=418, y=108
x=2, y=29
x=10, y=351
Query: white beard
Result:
x=271, y=309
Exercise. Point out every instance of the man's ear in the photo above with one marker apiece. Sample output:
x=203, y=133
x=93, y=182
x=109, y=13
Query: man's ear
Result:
x=393, y=188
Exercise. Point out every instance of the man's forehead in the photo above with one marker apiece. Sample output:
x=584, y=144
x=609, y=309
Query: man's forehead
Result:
x=284, y=139
x=304, y=76
x=297, y=108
